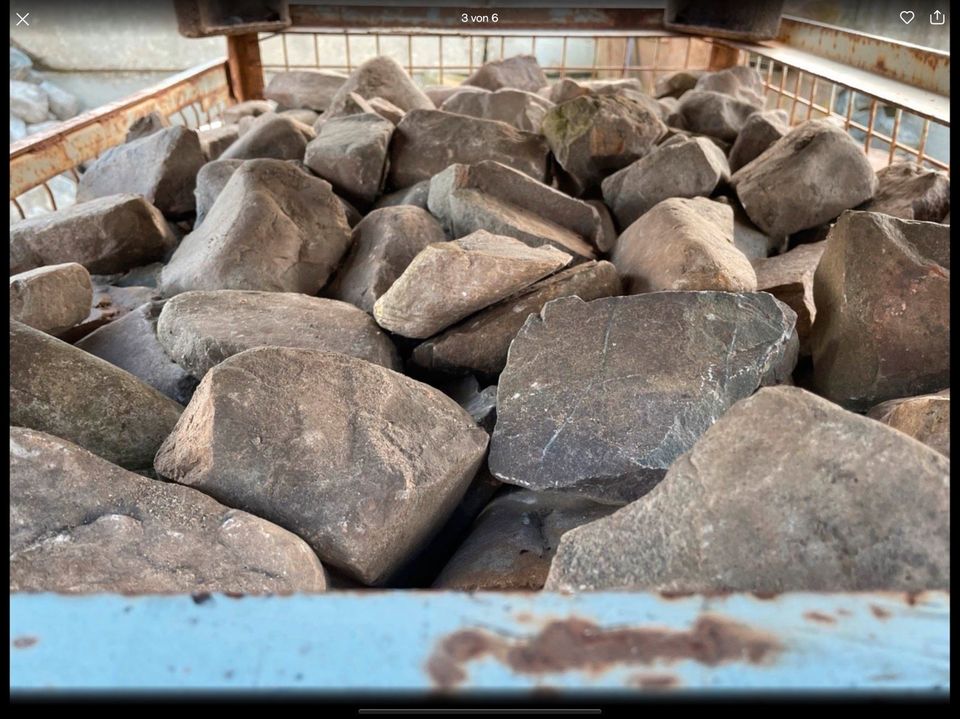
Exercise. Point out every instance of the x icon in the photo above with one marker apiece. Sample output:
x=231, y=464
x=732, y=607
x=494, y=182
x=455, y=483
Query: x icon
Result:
x=22, y=19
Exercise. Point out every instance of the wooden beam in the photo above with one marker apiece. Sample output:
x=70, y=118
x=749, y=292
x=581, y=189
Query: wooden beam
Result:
x=246, y=70
x=723, y=56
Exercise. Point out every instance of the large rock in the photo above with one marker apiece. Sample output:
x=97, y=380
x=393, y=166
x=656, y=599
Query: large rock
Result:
x=383, y=244
x=380, y=77
x=750, y=239
x=686, y=168
x=415, y=195
x=18, y=129
x=67, y=392
x=273, y=228
x=62, y=104
x=789, y=278
x=594, y=136
x=199, y=330
x=211, y=179
x=248, y=108
x=361, y=462
x=351, y=153
x=683, y=244
x=130, y=343
x=162, y=167
x=882, y=293
x=109, y=234
x=567, y=88
x=523, y=110
x=926, y=418
x=480, y=343
x=786, y=492
x=808, y=177
x=271, y=136
x=911, y=193
x=758, y=133
x=599, y=398
x=428, y=141
x=304, y=89
x=521, y=72
x=608, y=230
x=80, y=524
x=740, y=81
x=52, y=298
x=717, y=114
x=448, y=281
x=28, y=101
x=215, y=141
x=491, y=196
x=676, y=83
x=514, y=540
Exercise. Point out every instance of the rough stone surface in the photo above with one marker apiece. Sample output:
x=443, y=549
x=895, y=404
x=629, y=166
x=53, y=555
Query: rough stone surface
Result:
x=789, y=278
x=567, y=89
x=428, y=141
x=381, y=77
x=925, y=418
x=18, y=129
x=211, y=179
x=491, y=196
x=808, y=177
x=882, y=293
x=740, y=81
x=687, y=168
x=52, y=298
x=592, y=136
x=448, y=281
x=683, y=244
x=199, y=330
x=911, y=193
x=523, y=110
x=247, y=108
x=856, y=506
x=383, y=244
x=130, y=343
x=62, y=104
x=480, y=344
x=361, y=462
x=109, y=234
x=758, y=133
x=717, y=114
x=79, y=524
x=67, y=392
x=215, y=142
x=387, y=110
x=599, y=398
x=677, y=83
x=272, y=228
x=28, y=101
x=147, y=125
x=162, y=167
x=415, y=195
x=304, y=89
x=521, y=72
x=351, y=153
x=271, y=136
x=750, y=239
x=514, y=540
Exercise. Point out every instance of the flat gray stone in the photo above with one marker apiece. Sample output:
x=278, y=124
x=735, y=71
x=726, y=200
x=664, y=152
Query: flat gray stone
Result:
x=211, y=179
x=520, y=72
x=523, y=110
x=380, y=77
x=758, y=133
x=52, y=298
x=925, y=418
x=271, y=136
x=387, y=110
x=351, y=153
x=707, y=112
x=304, y=89
x=567, y=88
x=911, y=193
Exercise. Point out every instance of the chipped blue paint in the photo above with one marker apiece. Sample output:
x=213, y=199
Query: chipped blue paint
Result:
x=384, y=640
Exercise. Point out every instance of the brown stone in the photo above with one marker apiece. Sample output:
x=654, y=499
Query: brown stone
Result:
x=52, y=298
x=925, y=418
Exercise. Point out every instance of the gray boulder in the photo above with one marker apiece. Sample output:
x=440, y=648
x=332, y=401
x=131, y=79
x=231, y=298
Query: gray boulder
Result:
x=925, y=418
x=52, y=298
x=380, y=77
x=387, y=110
x=271, y=136
x=62, y=104
x=28, y=101
x=717, y=114
x=758, y=133
x=304, y=89
x=248, y=108
x=415, y=195
x=911, y=193
x=521, y=72
x=351, y=153
x=211, y=179
x=214, y=142
x=523, y=110
x=676, y=83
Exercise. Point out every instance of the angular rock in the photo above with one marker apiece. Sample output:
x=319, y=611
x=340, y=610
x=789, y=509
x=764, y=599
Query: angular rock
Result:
x=415, y=195
x=494, y=197
x=521, y=72
x=211, y=179
x=448, y=281
x=683, y=244
x=599, y=398
x=69, y=393
x=740, y=81
x=925, y=418
x=272, y=228
x=439, y=94
x=480, y=344
x=28, y=101
x=52, y=298
x=387, y=110
x=428, y=141
x=567, y=89
x=162, y=167
x=592, y=137
x=514, y=539
x=808, y=177
x=856, y=506
x=214, y=142
x=758, y=133
x=361, y=462
x=789, y=278
x=383, y=244
x=271, y=136
x=146, y=125
x=130, y=343
x=380, y=77
x=62, y=104
x=717, y=114
x=18, y=129
x=79, y=524
x=248, y=108
x=351, y=153
x=750, y=239
x=307, y=117
x=304, y=89
x=687, y=168
x=677, y=83
x=911, y=193
x=199, y=330
x=882, y=293
x=20, y=64
x=110, y=303
x=246, y=122
x=523, y=110
x=608, y=230
x=109, y=234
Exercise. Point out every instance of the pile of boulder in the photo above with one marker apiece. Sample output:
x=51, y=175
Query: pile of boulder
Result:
x=36, y=104
x=511, y=335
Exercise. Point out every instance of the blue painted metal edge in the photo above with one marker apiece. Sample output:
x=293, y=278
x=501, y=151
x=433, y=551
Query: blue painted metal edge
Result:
x=444, y=641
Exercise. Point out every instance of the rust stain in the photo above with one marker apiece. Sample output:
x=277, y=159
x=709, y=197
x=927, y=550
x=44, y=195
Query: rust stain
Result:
x=654, y=681
x=820, y=617
x=24, y=642
x=579, y=644
x=879, y=612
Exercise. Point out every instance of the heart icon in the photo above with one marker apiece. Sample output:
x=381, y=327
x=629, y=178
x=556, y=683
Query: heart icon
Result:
x=907, y=16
